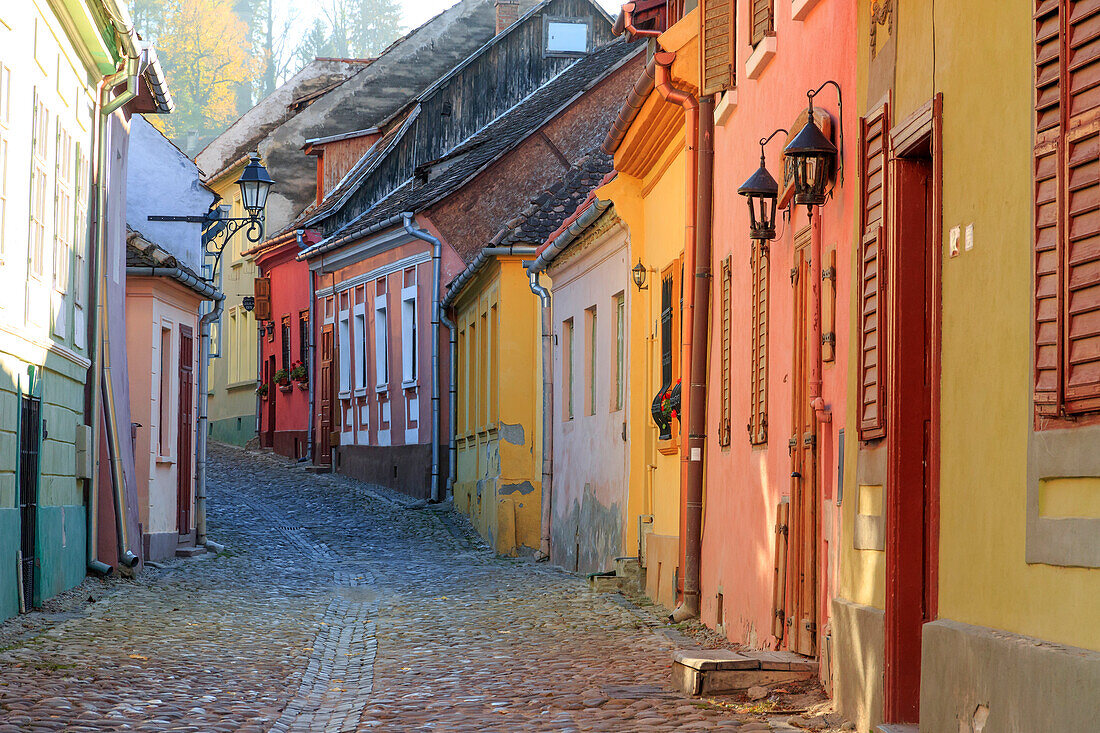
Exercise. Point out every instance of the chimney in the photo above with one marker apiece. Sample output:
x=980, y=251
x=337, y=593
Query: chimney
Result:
x=507, y=13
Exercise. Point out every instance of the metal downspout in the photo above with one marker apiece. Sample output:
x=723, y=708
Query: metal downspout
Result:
x=437, y=250
x=689, y=576
x=547, y=412
x=452, y=406
x=103, y=393
x=202, y=421
x=310, y=353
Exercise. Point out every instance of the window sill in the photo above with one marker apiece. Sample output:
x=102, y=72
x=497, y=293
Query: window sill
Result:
x=723, y=111
x=669, y=447
x=166, y=460
x=800, y=9
x=382, y=389
x=361, y=392
x=240, y=385
x=410, y=384
x=345, y=395
x=761, y=57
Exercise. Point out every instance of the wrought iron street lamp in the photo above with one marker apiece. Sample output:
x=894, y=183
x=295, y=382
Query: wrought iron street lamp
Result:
x=218, y=228
x=762, y=192
x=813, y=156
x=639, y=273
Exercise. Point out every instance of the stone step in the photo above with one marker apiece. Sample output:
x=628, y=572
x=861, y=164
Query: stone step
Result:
x=896, y=728
x=319, y=469
x=711, y=671
x=190, y=551
x=630, y=570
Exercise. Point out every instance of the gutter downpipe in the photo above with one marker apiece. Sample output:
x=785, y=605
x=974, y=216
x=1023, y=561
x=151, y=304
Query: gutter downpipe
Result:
x=437, y=252
x=534, y=269
x=202, y=421
x=301, y=234
x=625, y=22
x=102, y=397
x=690, y=479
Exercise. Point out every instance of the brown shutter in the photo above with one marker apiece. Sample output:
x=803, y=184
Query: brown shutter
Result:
x=262, y=291
x=718, y=30
x=758, y=366
x=1067, y=207
x=1081, y=279
x=760, y=19
x=872, y=337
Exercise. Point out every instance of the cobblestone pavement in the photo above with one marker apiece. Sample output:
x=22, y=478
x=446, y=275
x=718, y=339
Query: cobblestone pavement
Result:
x=336, y=607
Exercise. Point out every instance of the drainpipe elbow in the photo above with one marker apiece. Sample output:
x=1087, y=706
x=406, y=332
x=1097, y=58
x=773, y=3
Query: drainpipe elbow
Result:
x=662, y=82
x=538, y=288
x=625, y=22
x=821, y=410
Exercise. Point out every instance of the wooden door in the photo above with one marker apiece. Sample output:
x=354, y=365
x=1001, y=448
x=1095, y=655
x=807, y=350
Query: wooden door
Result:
x=272, y=394
x=30, y=443
x=912, y=436
x=322, y=451
x=186, y=428
x=803, y=521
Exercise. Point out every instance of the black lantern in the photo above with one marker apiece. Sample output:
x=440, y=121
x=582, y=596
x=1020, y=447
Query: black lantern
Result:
x=762, y=192
x=639, y=273
x=255, y=182
x=812, y=157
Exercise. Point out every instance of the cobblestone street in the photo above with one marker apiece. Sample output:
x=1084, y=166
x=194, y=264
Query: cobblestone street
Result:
x=337, y=608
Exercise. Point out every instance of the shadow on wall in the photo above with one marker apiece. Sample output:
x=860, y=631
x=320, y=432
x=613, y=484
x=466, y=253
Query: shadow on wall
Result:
x=587, y=536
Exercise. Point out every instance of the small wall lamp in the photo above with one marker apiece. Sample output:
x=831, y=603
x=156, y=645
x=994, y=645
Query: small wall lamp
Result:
x=762, y=192
x=270, y=328
x=639, y=274
x=813, y=155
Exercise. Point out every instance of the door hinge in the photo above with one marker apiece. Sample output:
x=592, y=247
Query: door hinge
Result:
x=829, y=273
x=810, y=440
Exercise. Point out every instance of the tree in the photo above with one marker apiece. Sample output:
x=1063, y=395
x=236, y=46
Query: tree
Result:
x=269, y=34
x=203, y=46
x=351, y=29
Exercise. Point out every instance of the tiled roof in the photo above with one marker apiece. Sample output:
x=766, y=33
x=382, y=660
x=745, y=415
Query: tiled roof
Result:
x=490, y=143
x=546, y=212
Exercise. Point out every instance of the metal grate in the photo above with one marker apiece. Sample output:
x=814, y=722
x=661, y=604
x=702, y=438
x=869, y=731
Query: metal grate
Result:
x=30, y=426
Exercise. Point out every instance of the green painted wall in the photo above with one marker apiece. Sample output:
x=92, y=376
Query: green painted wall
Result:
x=234, y=430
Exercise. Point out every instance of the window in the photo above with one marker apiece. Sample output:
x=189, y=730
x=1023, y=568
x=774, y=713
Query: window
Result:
x=284, y=338
x=359, y=337
x=719, y=23
x=408, y=328
x=80, y=254
x=241, y=346
x=5, y=121
x=381, y=337
x=566, y=37
x=485, y=378
x=670, y=324
x=567, y=367
x=39, y=188
x=758, y=356
x=618, y=384
x=165, y=396
x=343, y=346
x=472, y=384
x=1067, y=193
x=724, y=318
x=762, y=19
x=873, y=153
x=590, y=361
x=493, y=365
x=463, y=377
x=303, y=339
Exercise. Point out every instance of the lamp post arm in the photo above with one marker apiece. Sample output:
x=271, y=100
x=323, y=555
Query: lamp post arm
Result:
x=840, y=114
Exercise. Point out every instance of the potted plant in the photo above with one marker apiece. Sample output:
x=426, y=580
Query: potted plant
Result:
x=261, y=389
x=282, y=379
x=300, y=375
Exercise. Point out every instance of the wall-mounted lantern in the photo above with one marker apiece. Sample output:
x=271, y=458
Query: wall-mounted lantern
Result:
x=255, y=183
x=813, y=156
x=639, y=274
x=762, y=191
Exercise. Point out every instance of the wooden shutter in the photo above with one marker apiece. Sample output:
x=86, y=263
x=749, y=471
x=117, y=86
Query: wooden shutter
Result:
x=1067, y=207
x=726, y=315
x=760, y=19
x=719, y=31
x=874, y=149
x=262, y=292
x=758, y=359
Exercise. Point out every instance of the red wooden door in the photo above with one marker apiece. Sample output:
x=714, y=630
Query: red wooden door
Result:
x=322, y=449
x=272, y=394
x=186, y=428
x=803, y=522
x=912, y=438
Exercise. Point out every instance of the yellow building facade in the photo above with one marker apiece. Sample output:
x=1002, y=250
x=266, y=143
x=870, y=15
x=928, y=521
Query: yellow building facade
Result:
x=232, y=406
x=650, y=196
x=996, y=629
x=498, y=478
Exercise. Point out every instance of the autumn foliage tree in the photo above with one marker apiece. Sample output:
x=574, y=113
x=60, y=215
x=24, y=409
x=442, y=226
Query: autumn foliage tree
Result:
x=204, y=48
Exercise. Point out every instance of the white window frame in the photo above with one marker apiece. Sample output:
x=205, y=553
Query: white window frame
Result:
x=343, y=335
x=381, y=343
x=359, y=319
x=408, y=337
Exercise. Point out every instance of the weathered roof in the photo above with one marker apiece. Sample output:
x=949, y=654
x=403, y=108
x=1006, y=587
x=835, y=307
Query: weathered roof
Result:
x=140, y=252
x=438, y=179
x=547, y=211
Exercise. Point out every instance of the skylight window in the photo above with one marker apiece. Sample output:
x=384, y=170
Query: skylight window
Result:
x=566, y=37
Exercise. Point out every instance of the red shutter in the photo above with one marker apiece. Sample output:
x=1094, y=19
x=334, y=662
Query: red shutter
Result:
x=758, y=367
x=262, y=292
x=1081, y=279
x=717, y=45
x=872, y=337
x=761, y=20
